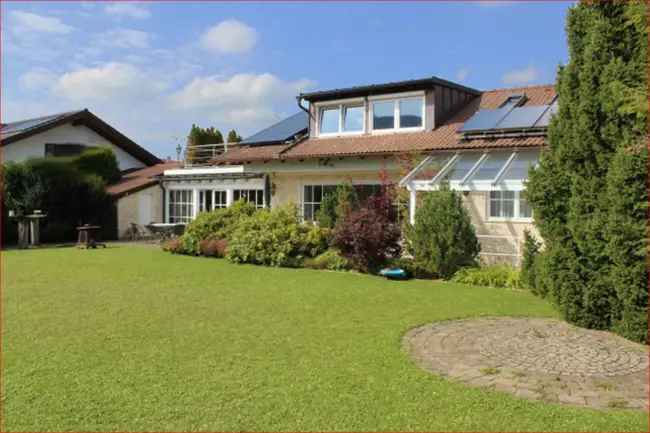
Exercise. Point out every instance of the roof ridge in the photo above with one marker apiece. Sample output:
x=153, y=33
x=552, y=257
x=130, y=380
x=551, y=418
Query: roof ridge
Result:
x=533, y=86
x=55, y=115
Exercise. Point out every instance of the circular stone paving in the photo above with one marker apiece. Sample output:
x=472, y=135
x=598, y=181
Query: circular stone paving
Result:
x=542, y=359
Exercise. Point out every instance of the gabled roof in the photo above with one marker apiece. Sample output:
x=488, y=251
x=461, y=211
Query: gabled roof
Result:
x=19, y=130
x=280, y=132
x=137, y=180
x=395, y=86
x=444, y=137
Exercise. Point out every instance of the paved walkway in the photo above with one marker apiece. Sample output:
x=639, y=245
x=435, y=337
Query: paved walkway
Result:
x=541, y=359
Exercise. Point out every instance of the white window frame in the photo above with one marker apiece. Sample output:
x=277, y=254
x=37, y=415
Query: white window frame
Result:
x=191, y=204
x=516, y=211
x=396, y=98
x=340, y=105
x=312, y=203
x=257, y=191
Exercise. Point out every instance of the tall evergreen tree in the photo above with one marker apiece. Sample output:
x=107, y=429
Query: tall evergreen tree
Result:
x=197, y=137
x=588, y=193
x=233, y=137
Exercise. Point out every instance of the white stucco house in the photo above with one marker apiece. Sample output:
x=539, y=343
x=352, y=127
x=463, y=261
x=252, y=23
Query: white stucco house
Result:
x=66, y=134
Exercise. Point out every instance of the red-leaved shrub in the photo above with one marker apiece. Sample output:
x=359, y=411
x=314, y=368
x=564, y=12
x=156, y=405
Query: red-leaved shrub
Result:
x=367, y=236
x=174, y=246
x=213, y=247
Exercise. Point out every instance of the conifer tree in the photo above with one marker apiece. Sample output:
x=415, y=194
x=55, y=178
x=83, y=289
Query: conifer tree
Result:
x=589, y=219
x=233, y=137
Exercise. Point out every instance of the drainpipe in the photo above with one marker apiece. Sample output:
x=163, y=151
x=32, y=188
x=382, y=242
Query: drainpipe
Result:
x=299, y=100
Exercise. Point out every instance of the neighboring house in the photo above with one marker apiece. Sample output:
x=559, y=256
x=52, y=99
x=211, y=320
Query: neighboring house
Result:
x=138, y=197
x=67, y=134
x=355, y=134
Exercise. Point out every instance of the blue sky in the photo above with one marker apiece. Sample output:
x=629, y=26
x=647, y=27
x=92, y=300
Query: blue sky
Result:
x=152, y=69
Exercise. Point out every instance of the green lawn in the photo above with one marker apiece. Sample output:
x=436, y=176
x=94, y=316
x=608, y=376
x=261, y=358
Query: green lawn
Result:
x=134, y=339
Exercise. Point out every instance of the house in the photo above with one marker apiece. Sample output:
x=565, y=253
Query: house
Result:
x=138, y=197
x=481, y=142
x=67, y=134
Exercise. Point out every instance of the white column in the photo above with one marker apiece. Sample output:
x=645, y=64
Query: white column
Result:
x=229, y=196
x=412, y=203
x=195, y=202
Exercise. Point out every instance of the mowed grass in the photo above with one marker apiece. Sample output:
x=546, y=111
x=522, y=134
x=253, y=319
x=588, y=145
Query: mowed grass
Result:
x=134, y=339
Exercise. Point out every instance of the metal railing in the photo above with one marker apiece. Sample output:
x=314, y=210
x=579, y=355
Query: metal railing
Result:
x=203, y=154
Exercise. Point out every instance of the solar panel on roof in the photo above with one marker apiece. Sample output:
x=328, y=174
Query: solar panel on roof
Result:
x=545, y=119
x=522, y=117
x=281, y=131
x=484, y=119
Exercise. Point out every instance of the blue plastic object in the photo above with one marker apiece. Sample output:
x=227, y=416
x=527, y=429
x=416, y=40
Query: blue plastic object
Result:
x=394, y=273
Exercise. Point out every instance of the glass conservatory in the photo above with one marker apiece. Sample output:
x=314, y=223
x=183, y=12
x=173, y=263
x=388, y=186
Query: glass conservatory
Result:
x=500, y=172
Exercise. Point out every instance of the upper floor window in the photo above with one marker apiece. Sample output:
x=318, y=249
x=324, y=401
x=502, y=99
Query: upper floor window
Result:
x=398, y=114
x=342, y=118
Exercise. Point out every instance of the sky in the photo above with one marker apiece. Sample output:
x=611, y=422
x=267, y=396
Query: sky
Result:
x=152, y=69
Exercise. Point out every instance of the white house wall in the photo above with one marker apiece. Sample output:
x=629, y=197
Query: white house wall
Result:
x=34, y=146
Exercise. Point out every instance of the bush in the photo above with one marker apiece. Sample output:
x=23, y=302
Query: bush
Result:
x=335, y=206
x=174, y=246
x=442, y=240
x=490, y=276
x=367, y=236
x=275, y=237
x=215, y=225
x=99, y=161
x=412, y=269
x=330, y=259
x=213, y=247
x=67, y=196
x=530, y=253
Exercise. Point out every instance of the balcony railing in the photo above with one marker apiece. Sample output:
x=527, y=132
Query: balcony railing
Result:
x=201, y=155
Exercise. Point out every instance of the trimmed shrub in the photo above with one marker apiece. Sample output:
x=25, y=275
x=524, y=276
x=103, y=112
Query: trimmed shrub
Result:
x=530, y=253
x=442, y=240
x=213, y=247
x=100, y=161
x=490, y=276
x=330, y=259
x=276, y=238
x=174, y=246
x=214, y=225
x=367, y=236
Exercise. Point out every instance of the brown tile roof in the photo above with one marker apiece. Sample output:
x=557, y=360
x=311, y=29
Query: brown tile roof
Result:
x=139, y=179
x=251, y=153
x=443, y=137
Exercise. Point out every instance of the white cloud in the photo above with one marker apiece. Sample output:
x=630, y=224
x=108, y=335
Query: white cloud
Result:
x=229, y=36
x=237, y=93
x=115, y=81
x=27, y=22
x=521, y=76
x=124, y=38
x=37, y=79
x=462, y=74
x=131, y=10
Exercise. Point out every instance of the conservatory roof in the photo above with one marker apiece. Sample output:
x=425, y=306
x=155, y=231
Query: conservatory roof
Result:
x=473, y=170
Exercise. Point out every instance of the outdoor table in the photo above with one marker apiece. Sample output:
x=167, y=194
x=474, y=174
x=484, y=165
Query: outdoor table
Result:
x=89, y=237
x=166, y=231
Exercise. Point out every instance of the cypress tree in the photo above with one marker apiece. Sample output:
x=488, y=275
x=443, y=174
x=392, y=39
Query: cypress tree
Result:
x=578, y=193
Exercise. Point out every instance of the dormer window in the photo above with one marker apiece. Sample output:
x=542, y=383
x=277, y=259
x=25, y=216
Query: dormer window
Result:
x=397, y=114
x=341, y=119
x=401, y=112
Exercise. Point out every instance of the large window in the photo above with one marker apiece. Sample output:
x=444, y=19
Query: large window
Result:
x=254, y=196
x=312, y=199
x=342, y=119
x=211, y=199
x=181, y=206
x=508, y=205
x=400, y=113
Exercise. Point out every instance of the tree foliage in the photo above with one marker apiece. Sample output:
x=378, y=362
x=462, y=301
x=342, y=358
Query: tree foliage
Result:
x=233, y=137
x=197, y=137
x=443, y=239
x=588, y=194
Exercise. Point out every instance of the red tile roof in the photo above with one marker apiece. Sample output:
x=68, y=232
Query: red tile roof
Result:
x=443, y=137
x=139, y=179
